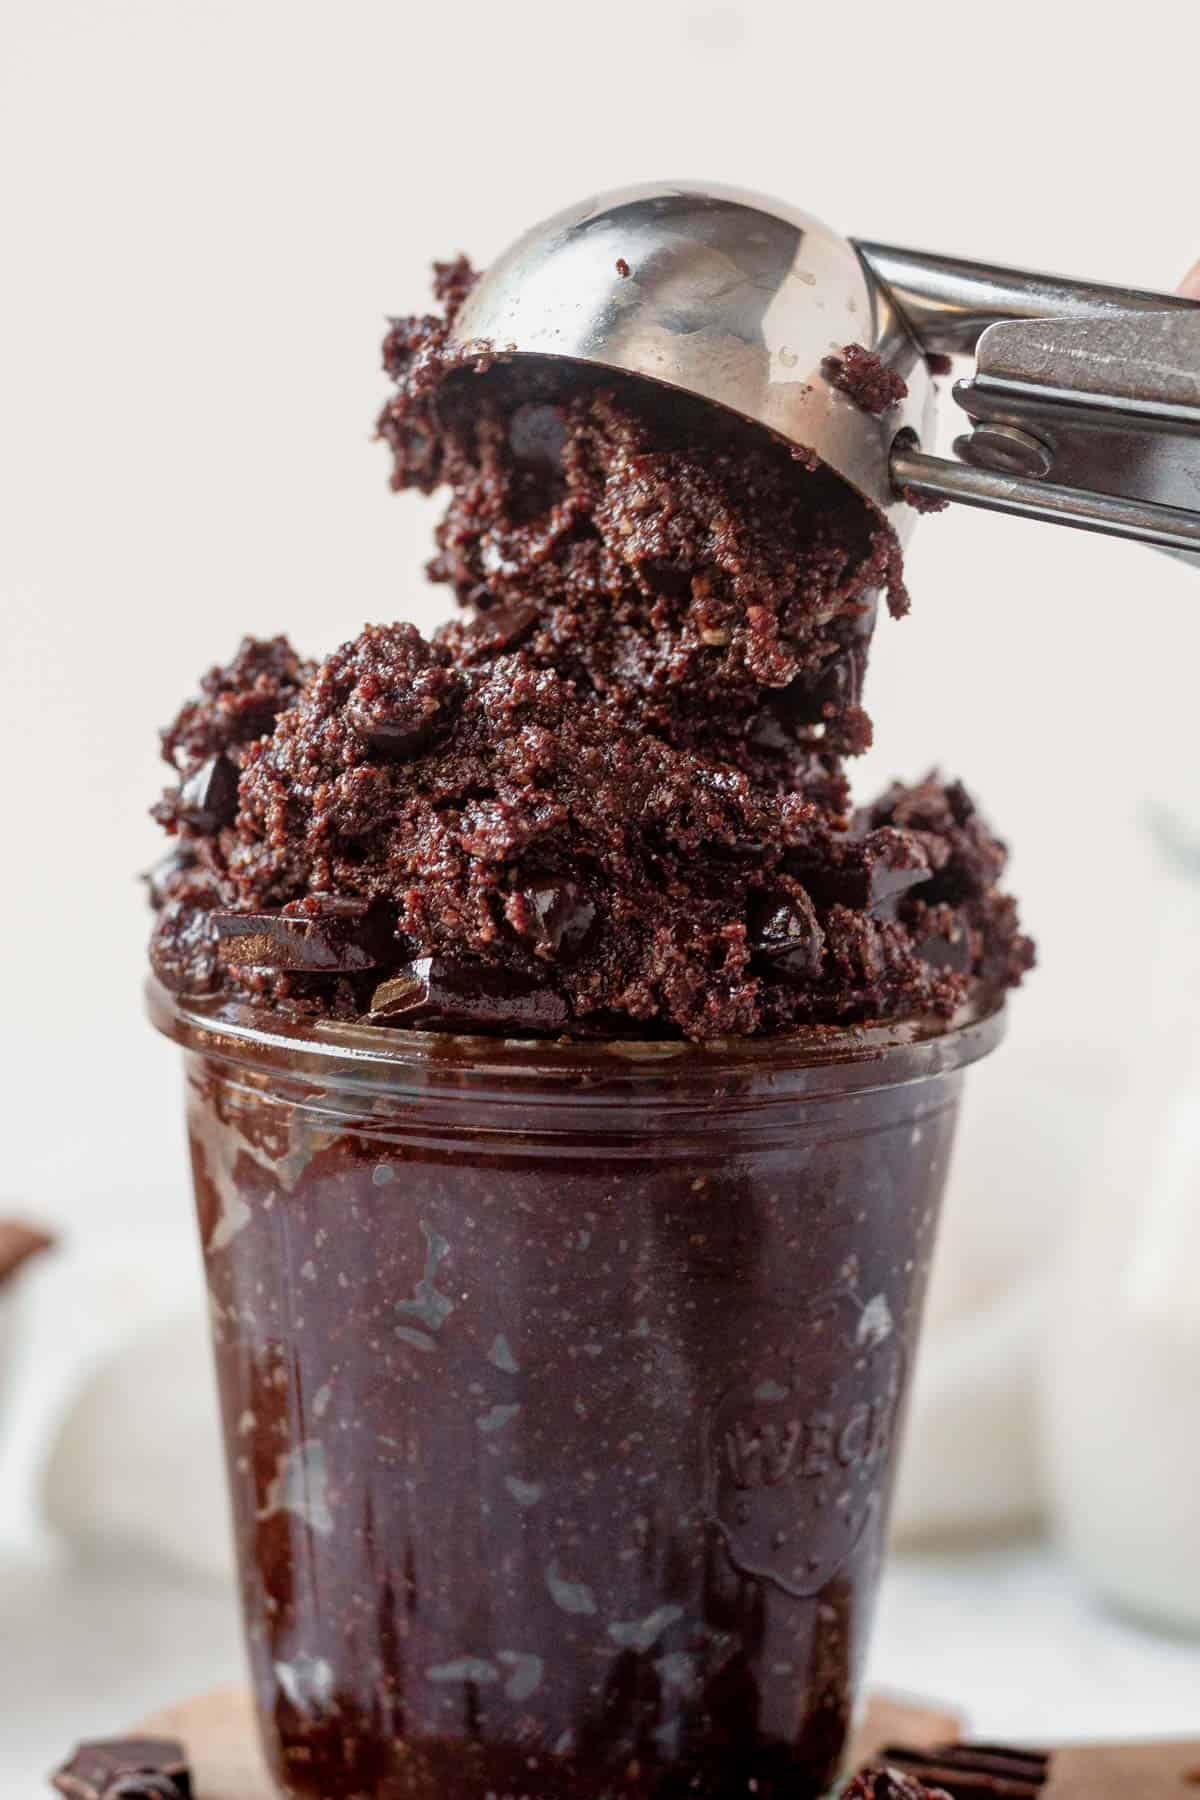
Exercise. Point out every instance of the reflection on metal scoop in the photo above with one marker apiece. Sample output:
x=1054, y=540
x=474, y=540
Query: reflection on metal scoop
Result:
x=727, y=296
x=1086, y=402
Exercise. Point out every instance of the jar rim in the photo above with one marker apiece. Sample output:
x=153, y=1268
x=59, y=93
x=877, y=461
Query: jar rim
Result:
x=814, y=1059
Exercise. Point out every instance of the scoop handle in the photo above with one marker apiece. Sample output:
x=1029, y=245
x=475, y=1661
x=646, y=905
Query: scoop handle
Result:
x=1172, y=528
x=949, y=301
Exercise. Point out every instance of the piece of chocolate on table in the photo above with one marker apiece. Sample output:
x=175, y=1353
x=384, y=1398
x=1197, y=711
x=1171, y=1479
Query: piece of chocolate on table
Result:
x=878, y=1782
x=18, y=1242
x=928, y=1764
x=132, y=1768
x=967, y=1771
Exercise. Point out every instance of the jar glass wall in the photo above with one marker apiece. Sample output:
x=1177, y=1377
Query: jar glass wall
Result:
x=561, y=1386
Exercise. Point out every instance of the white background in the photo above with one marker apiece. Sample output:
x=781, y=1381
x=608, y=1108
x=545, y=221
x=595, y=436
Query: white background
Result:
x=206, y=209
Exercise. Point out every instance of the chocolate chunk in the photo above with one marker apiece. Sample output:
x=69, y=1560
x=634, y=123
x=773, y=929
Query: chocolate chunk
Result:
x=112, y=1768
x=828, y=699
x=968, y=1771
x=403, y=734
x=18, y=1242
x=399, y=727
x=870, y=875
x=538, y=435
x=466, y=994
x=499, y=629
x=409, y=702
x=167, y=873
x=944, y=940
x=878, y=1782
x=144, y=1787
x=786, y=936
x=183, y=950
x=323, y=935
x=810, y=699
x=208, y=798
x=405, y=998
x=554, y=915
x=865, y=379
x=839, y=686
x=897, y=862
x=505, y=627
x=961, y=805
x=968, y=859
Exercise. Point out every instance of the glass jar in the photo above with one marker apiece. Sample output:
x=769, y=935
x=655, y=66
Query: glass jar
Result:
x=561, y=1385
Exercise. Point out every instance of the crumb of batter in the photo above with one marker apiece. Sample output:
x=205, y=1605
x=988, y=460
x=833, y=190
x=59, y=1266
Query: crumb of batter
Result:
x=866, y=379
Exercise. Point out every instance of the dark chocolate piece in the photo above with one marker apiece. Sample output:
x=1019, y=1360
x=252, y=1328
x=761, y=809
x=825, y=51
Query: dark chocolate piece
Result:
x=974, y=1771
x=897, y=863
x=870, y=875
x=208, y=798
x=126, y=1769
x=183, y=949
x=444, y=994
x=554, y=915
x=323, y=934
x=786, y=934
x=19, y=1242
x=162, y=880
x=405, y=714
x=500, y=628
x=830, y=699
x=943, y=939
x=144, y=1787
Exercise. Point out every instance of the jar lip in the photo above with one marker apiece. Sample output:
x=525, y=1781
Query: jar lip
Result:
x=876, y=1055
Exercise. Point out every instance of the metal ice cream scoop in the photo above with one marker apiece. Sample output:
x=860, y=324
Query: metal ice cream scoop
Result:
x=1083, y=407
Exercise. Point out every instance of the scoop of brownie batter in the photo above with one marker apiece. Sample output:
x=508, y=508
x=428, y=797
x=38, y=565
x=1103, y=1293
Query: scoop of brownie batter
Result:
x=691, y=568
x=609, y=795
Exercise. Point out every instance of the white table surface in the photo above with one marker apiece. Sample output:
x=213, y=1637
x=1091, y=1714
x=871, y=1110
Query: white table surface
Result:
x=1003, y=1633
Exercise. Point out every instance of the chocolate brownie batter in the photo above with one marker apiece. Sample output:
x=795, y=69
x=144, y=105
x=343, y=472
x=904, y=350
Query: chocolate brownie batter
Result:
x=867, y=379
x=609, y=796
x=882, y=1783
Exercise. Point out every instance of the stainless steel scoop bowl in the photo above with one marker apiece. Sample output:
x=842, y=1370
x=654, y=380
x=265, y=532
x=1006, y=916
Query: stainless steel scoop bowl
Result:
x=727, y=296
x=740, y=300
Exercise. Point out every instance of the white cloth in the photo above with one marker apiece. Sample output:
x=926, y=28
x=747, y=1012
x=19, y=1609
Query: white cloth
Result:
x=136, y=1461
x=972, y=1462
x=1121, y=1382
x=110, y=1436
